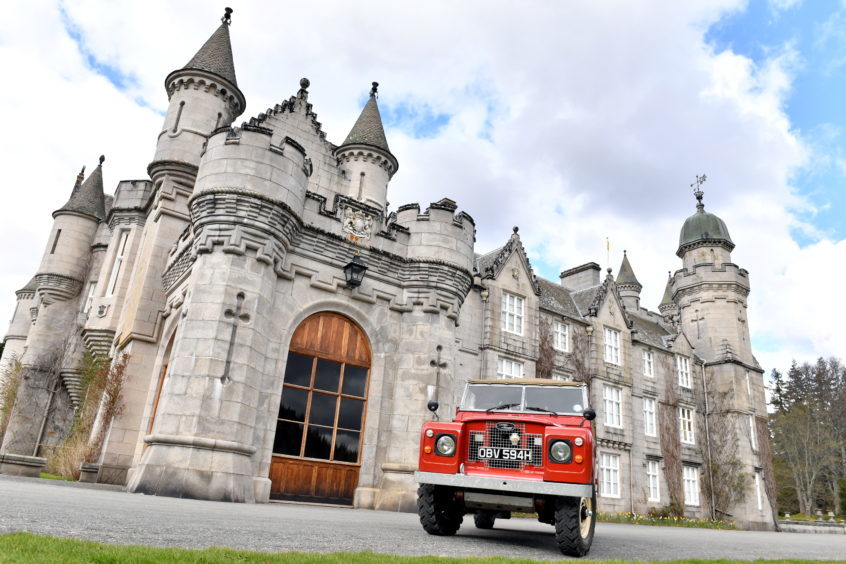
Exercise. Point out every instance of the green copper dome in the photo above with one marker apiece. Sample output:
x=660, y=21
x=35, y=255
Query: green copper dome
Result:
x=703, y=227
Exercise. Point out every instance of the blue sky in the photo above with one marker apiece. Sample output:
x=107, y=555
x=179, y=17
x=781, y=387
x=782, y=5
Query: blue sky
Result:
x=813, y=33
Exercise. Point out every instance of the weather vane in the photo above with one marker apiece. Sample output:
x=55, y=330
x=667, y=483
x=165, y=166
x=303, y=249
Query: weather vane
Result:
x=227, y=16
x=697, y=187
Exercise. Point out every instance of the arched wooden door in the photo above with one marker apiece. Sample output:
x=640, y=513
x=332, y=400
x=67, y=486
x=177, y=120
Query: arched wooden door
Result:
x=317, y=448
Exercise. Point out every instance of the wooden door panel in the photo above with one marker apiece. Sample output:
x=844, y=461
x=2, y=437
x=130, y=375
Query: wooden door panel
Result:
x=300, y=479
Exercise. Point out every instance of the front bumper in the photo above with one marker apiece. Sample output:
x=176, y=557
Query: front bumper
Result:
x=504, y=484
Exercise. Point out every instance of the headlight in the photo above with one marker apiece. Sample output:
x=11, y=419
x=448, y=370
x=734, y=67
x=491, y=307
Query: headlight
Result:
x=445, y=445
x=560, y=451
x=579, y=441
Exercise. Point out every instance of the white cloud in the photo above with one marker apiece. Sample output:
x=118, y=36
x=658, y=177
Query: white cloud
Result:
x=575, y=121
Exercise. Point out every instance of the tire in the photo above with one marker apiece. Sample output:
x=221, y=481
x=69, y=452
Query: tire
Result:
x=484, y=519
x=439, y=513
x=575, y=520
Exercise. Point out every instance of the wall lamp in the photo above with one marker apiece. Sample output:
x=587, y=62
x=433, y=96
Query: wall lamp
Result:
x=354, y=272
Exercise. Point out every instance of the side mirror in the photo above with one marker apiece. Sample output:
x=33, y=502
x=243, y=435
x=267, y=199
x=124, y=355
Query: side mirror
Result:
x=433, y=406
x=589, y=414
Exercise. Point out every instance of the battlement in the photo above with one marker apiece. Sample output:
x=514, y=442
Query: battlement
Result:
x=439, y=233
x=246, y=160
x=723, y=271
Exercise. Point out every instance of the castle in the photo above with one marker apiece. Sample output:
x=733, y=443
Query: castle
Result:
x=283, y=330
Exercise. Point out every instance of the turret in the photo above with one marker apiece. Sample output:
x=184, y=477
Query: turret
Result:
x=364, y=157
x=203, y=96
x=65, y=260
x=668, y=307
x=710, y=291
x=15, y=340
x=628, y=286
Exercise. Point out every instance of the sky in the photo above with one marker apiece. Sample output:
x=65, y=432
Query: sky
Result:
x=578, y=121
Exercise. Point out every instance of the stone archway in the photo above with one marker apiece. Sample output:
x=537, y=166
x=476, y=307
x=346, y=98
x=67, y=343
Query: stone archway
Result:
x=317, y=446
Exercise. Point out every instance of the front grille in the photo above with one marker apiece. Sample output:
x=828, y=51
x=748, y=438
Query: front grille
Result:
x=498, y=438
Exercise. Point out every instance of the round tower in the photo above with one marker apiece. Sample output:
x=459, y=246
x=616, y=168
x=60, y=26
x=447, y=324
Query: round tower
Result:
x=710, y=291
x=51, y=337
x=628, y=285
x=14, y=343
x=203, y=96
x=364, y=157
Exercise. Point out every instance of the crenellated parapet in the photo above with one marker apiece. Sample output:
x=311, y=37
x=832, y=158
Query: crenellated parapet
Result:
x=350, y=154
x=439, y=234
x=54, y=288
x=710, y=277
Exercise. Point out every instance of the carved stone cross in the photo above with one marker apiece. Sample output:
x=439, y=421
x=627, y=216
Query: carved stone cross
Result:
x=438, y=365
x=236, y=316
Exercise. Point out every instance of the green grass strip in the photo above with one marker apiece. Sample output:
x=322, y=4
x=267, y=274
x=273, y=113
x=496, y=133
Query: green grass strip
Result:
x=26, y=547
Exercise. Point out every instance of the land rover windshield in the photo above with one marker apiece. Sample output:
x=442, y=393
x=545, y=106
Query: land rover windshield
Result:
x=564, y=400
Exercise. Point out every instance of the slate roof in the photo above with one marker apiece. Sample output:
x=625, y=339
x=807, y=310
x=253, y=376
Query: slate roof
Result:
x=668, y=293
x=556, y=298
x=87, y=198
x=215, y=56
x=31, y=286
x=627, y=275
x=650, y=332
x=368, y=128
x=584, y=298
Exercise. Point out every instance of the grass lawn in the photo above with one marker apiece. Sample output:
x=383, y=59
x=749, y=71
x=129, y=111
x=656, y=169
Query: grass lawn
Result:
x=25, y=547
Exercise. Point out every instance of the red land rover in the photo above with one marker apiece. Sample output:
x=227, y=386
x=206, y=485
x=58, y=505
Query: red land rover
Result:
x=514, y=445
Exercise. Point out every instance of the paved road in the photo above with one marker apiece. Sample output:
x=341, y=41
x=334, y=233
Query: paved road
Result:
x=105, y=515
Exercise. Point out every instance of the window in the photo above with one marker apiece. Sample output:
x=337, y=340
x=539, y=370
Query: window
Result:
x=613, y=406
x=652, y=481
x=648, y=364
x=758, y=493
x=56, y=241
x=683, y=368
x=612, y=346
x=690, y=476
x=753, y=435
x=507, y=368
x=119, y=255
x=748, y=387
x=90, y=298
x=609, y=475
x=512, y=313
x=686, y=425
x=649, y=427
x=560, y=336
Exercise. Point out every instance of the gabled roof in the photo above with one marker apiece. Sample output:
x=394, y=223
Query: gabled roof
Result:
x=584, y=298
x=87, y=198
x=215, y=56
x=368, y=129
x=491, y=264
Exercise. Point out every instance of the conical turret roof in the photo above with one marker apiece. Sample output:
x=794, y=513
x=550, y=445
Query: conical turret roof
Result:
x=215, y=56
x=87, y=197
x=626, y=275
x=368, y=129
x=31, y=286
x=668, y=293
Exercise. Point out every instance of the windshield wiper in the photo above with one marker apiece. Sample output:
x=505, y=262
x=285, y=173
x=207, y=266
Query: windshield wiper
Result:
x=501, y=406
x=533, y=408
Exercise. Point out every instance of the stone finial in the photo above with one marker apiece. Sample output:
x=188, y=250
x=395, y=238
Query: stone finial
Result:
x=81, y=176
x=374, y=89
x=227, y=16
x=302, y=94
x=102, y=158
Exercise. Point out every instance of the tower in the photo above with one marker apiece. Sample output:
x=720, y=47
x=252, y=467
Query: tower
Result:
x=628, y=285
x=57, y=285
x=365, y=158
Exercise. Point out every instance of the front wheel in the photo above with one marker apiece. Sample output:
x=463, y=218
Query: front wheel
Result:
x=439, y=513
x=575, y=521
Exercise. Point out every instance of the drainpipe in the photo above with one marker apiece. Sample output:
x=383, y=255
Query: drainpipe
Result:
x=631, y=485
x=53, y=389
x=708, y=445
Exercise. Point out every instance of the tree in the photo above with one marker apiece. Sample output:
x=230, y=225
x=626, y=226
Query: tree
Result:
x=809, y=431
x=546, y=352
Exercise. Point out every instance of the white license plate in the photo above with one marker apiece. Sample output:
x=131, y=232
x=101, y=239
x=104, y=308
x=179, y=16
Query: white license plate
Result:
x=493, y=453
